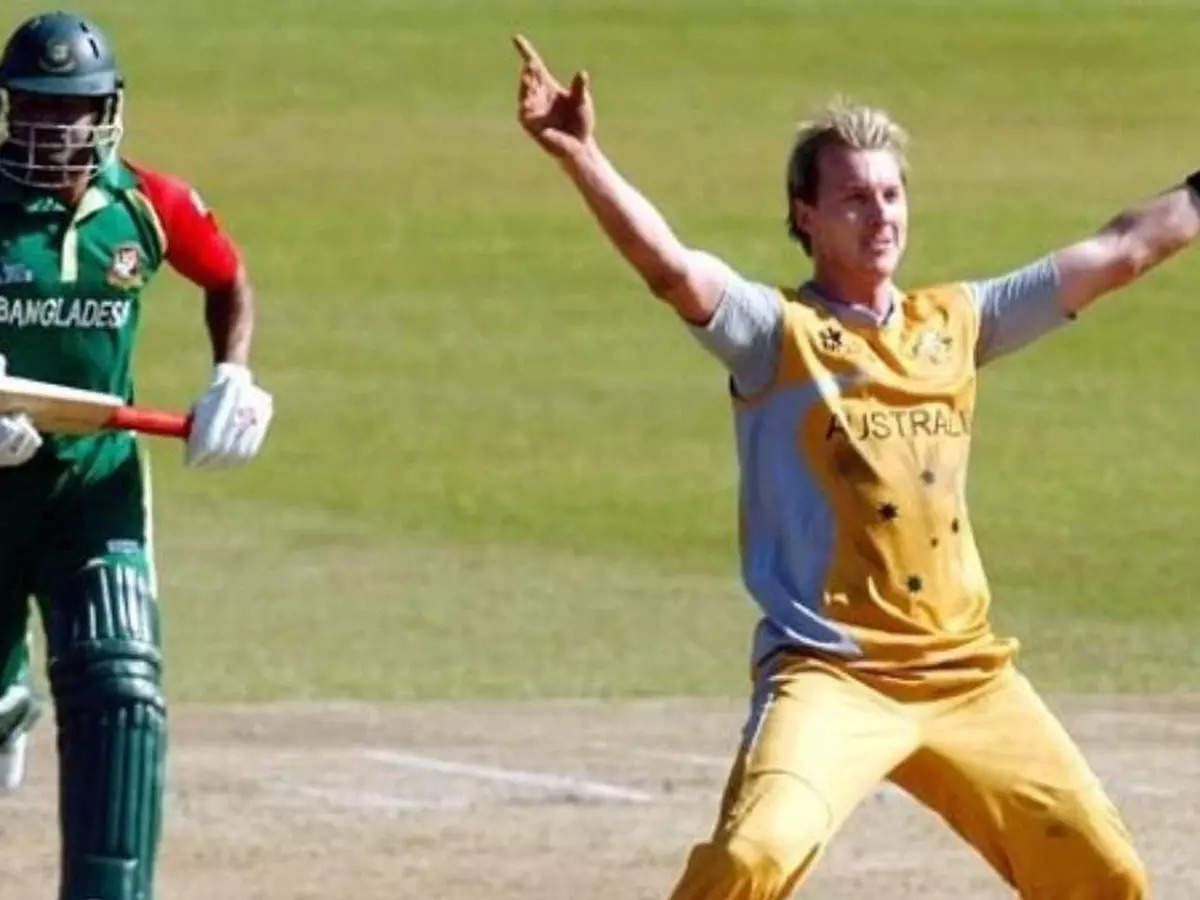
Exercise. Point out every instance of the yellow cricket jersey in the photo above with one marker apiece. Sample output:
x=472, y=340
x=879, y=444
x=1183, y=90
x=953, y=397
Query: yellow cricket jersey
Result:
x=855, y=537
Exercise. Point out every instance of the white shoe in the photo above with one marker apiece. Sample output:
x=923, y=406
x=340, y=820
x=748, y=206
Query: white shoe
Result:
x=19, y=709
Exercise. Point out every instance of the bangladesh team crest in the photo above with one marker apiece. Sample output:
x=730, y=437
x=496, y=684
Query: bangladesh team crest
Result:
x=57, y=58
x=125, y=271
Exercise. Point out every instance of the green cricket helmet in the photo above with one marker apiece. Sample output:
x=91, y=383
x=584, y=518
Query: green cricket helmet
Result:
x=58, y=57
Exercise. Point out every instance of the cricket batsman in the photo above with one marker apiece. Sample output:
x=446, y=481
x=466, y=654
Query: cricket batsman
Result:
x=82, y=232
x=854, y=404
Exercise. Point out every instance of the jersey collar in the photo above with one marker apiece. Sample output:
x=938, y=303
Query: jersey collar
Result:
x=852, y=312
x=112, y=178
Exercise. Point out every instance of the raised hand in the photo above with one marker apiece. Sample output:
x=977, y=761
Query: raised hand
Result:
x=561, y=120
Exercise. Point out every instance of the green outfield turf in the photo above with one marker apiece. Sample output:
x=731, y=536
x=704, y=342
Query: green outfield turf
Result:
x=499, y=468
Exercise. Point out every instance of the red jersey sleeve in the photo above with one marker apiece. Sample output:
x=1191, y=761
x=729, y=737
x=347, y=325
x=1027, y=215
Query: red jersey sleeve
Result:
x=197, y=247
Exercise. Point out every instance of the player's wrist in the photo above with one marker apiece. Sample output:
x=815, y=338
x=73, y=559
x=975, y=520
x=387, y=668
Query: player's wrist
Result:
x=584, y=156
x=231, y=371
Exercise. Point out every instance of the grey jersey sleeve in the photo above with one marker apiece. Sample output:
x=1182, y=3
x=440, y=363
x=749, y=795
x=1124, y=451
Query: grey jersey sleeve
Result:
x=1016, y=308
x=745, y=332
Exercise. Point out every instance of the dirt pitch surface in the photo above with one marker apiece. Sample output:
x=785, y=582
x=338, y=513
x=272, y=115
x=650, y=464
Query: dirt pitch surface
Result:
x=569, y=799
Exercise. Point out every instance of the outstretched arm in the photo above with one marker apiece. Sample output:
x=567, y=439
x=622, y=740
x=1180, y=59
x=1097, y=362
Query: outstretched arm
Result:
x=1127, y=247
x=562, y=121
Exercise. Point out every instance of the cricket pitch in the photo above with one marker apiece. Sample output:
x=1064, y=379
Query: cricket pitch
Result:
x=564, y=799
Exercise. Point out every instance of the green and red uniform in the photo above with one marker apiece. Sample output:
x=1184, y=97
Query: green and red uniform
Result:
x=71, y=285
x=76, y=527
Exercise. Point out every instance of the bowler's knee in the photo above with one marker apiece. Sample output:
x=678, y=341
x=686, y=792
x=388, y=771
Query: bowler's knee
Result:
x=1128, y=881
x=762, y=850
x=1092, y=860
x=1112, y=870
x=1136, y=883
x=732, y=867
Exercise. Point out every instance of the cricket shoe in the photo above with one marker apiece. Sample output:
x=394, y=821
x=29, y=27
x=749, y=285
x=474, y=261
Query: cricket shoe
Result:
x=19, y=709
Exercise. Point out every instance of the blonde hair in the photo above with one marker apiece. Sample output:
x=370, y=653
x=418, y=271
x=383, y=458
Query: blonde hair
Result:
x=845, y=123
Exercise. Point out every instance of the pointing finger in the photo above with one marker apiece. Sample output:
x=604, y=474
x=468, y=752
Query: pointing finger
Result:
x=527, y=52
x=579, y=85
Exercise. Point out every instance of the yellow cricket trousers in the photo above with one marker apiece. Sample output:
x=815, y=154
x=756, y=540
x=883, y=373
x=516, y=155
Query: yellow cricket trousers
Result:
x=993, y=762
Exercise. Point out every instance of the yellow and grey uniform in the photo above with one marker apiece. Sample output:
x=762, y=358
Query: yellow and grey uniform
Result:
x=874, y=656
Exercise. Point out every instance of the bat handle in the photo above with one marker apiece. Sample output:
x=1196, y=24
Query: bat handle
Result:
x=151, y=421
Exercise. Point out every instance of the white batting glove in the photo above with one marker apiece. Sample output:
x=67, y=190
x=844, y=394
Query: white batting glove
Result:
x=19, y=440
x=229, y=421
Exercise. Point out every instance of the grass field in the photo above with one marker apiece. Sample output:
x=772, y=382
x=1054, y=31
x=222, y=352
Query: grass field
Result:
x=499, y=469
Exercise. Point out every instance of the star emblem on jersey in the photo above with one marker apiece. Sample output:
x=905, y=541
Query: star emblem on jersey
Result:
x=831, y=339
x=125, y=271
x=933, y=346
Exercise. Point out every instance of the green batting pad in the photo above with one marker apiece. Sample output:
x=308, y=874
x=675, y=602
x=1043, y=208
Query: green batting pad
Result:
x=102, y=641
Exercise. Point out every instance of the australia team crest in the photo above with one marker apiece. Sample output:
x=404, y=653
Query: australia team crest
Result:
x=933, y=346
x=125, y=271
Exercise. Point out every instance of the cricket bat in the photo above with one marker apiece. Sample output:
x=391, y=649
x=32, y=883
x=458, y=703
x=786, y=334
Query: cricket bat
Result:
x=66, y=410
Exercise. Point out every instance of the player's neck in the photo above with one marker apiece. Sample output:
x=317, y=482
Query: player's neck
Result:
x=72, y=193
x=873, y=293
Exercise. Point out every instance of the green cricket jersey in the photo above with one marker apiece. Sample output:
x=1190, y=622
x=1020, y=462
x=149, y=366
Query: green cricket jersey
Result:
x=71, y=282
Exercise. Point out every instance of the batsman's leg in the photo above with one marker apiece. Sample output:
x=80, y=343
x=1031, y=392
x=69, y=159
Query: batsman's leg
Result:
x=1008, y=778
x=103, y=643
x=19, y=705
x=815, y=743
x=23, y=493
x=19, y=710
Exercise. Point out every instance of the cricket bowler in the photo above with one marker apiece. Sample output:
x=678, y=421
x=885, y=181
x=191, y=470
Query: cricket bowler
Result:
x=82, y=232
x=854, y=404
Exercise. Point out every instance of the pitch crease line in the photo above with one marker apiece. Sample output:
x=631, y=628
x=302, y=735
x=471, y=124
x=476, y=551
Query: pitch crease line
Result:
x=695, y=759
x=581, y=786
x=371, y=800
